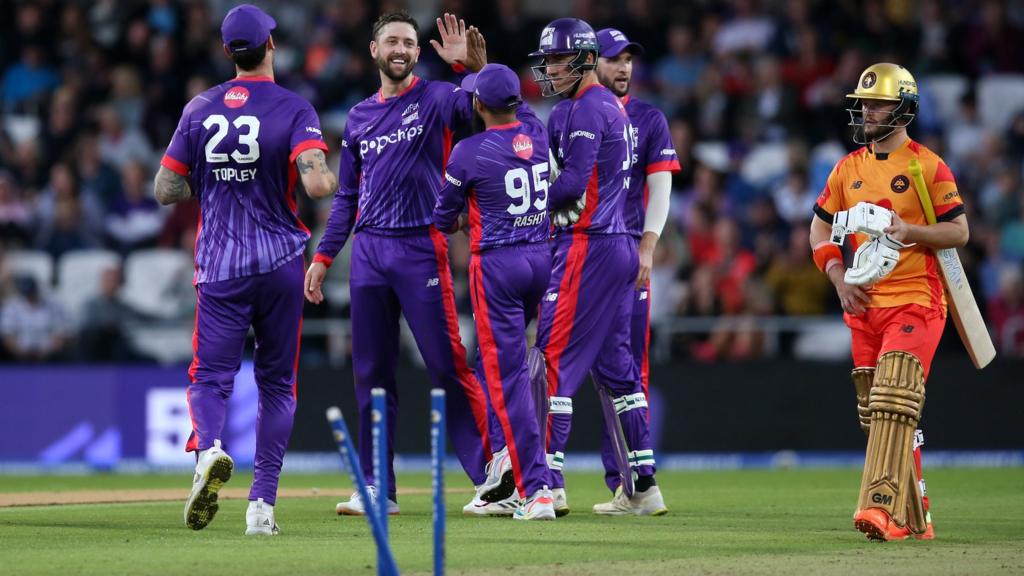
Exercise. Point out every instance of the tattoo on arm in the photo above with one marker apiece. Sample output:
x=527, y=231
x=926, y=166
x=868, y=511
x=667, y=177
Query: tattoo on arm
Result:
x=170, y=187
x=315, y=159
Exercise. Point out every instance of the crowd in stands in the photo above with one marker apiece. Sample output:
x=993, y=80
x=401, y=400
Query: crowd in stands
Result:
x=90, y=93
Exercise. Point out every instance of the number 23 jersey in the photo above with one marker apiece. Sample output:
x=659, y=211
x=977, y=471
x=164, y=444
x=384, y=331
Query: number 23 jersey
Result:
x=237, y=142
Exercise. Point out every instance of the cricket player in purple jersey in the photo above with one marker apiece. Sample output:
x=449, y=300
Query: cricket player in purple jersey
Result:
x=647, y=205
x=394, y=149
x=585, y=314
x=241, y=147
x=502, y=175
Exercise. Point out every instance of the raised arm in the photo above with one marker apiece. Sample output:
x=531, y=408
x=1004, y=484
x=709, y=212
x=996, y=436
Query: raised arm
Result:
x=317, y=179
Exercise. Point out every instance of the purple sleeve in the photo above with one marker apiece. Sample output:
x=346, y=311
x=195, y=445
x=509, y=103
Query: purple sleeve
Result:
x=584, y=140
x=661, y=152
x=306, y=133
x=345, y=204
x=456, y=105
x=178, y=157
x=452, y=198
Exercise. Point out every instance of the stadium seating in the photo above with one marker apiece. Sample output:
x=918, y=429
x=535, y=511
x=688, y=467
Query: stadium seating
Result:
x=946, y=90
x=154, y=281
x=78, y=278
x=1000, y=98
x=34, y=263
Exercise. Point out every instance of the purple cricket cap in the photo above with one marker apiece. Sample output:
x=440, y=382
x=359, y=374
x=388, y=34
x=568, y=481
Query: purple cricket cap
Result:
x=613, y=42
x=496, y=85
x=247, y=26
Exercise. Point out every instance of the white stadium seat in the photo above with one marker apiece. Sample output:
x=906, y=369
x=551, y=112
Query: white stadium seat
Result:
x=34, y=263
x=766, y=162
x=1000, y=98
x=155, y=280
x=946, y=90
x=78, y=278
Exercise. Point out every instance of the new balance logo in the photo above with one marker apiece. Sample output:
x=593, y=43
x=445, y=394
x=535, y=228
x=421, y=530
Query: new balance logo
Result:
x=433, y=282
x=551, y=297
x=856, y=184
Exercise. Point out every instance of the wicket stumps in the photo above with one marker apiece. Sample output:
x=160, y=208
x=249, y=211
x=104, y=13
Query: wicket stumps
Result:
x=437, y=451
x=379, y=418
x=385, y=560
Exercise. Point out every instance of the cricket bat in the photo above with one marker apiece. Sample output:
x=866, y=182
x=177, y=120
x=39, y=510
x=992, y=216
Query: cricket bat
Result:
x=962, y=306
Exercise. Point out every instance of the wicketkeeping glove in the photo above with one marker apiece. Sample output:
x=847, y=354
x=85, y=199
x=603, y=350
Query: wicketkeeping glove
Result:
x=570, y=214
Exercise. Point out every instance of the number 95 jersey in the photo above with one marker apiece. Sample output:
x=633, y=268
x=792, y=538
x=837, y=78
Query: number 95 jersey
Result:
x=502, y=173
x=237, y=142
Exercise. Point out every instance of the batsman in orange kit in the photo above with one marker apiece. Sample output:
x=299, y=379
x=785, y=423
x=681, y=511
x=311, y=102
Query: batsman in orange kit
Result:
x=891, y=292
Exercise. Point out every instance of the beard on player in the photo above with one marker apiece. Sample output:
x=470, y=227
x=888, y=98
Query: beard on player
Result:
x=396, y=67
x=618, y=83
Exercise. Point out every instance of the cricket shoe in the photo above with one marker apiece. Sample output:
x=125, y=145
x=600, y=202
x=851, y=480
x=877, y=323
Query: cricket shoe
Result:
x=561, y=505
x=480, y=507
x=354, y=505
x=646, y=503
x=213, y=469
x=877, y=525
x=500, y=482
x=259, y=519
x=540, y=506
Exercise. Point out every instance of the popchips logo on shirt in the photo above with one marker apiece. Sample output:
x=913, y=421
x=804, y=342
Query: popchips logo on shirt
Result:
x=379, y=143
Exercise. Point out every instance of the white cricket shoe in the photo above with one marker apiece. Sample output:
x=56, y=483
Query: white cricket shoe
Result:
x=259, y=519
x=213, y=469
x=500, y=482
x=540, y=506
x=646, y=503
x=561, y=504
x=354, y=506
x=480, y=507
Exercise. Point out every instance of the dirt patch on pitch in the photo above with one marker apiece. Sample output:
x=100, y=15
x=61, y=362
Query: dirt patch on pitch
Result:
x=167, y=494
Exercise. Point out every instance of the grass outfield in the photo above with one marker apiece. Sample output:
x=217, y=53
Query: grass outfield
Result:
x=748, y=522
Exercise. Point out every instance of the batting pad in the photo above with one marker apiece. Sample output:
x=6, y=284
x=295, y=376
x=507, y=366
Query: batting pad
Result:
x=862, y=378
x=895, y=403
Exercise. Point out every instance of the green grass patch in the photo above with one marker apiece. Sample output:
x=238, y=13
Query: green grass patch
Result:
x=747, y=522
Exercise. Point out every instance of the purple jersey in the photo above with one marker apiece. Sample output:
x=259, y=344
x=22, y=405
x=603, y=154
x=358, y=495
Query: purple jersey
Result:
x=392, y=160
x=590, y=136
x=237, y=142
x=653, y=151
x=504, y=173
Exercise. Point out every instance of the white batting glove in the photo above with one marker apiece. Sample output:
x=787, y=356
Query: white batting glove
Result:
x=874, y=260
x=865, y=217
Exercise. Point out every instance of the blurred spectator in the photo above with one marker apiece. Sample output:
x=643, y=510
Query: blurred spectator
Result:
x=15, y=216
x=1006, y=312
x=799, y=287
x=136, y=219
x=678, y=73
x=747, y=31
x=32, y=327
x=105, y=319
x=120, y=145
x=732, y=265
x=794, y=199
x=964, y=132
x=993, y=42
x=27, y=81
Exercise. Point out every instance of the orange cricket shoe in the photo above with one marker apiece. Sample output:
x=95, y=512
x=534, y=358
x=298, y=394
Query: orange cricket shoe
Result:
x=876, y=524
